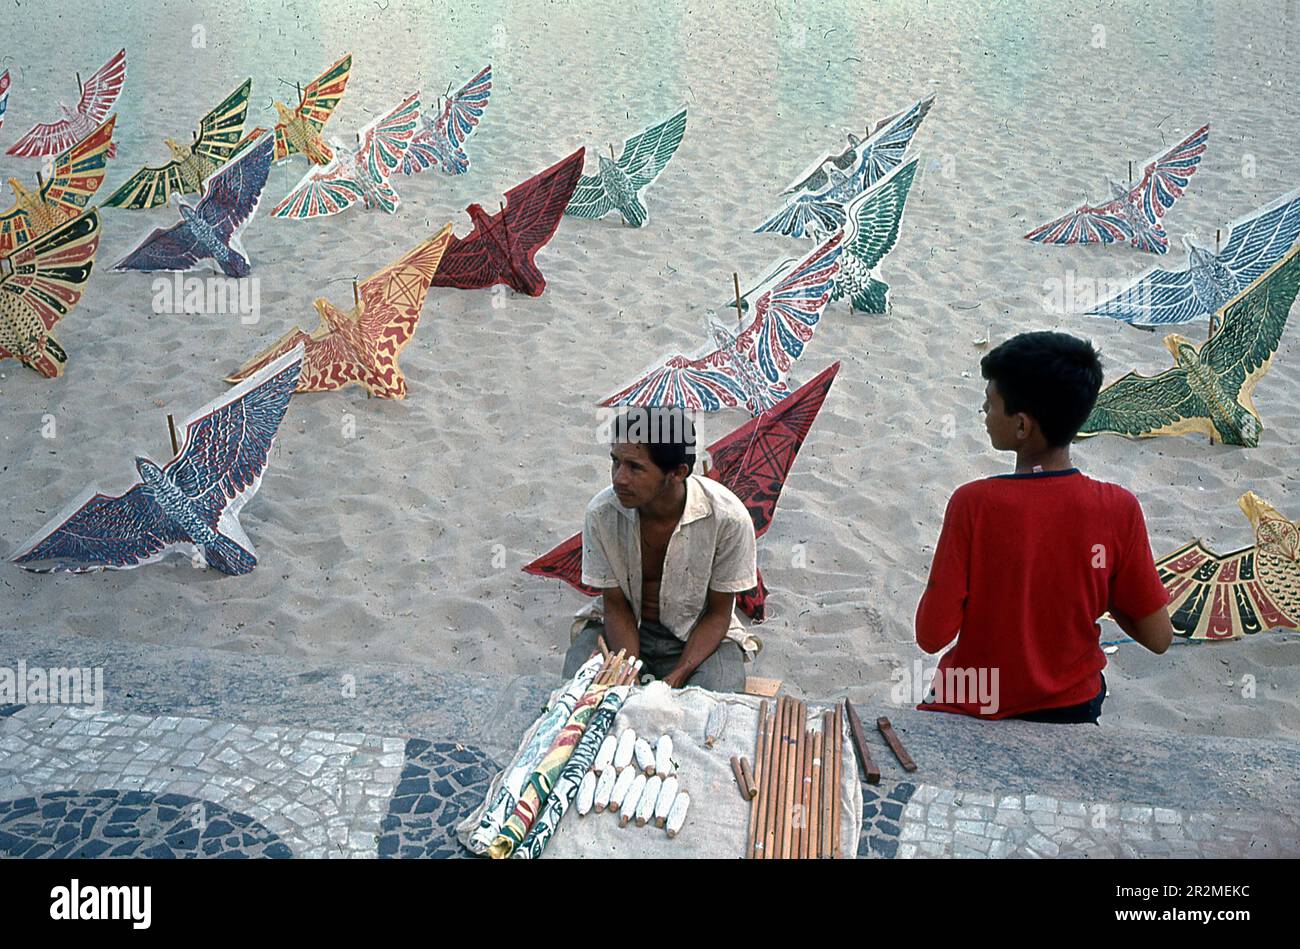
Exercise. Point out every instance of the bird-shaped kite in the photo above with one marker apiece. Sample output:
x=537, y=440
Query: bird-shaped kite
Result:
x=820, y=195
x=501, y=247
x=191, y=502
x=618, y=185
x=870, y=234
x=215, y=143
x=748, y=368
x=1224, y=596
x=211, y=229
x=75, y=176
x=361, y=347
x=298, y=131
x=440, y=142
x=40, y=283
x=753, y=461
x=4, y=96
x=98, y=94
x=1132, y=214
x=1210, y=390
x=1160, y=297
x=360, y=175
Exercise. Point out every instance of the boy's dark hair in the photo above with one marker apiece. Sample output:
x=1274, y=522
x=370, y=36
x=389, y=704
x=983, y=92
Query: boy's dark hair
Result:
x=1053, y=377
x=668, y=434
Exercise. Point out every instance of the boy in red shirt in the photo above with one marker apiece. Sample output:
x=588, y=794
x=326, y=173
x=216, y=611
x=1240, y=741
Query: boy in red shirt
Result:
x=1026, y=563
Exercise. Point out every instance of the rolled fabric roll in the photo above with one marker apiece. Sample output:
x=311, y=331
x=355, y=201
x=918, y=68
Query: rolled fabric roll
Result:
x=645, y=808
x=664, y=756
x=627, y=808
x=623, y=753
x=586, y=793
x=621, y=787
x=645, y=756
x=605, y=757
x=663, y=806
x=677, y=816
x=605, y=789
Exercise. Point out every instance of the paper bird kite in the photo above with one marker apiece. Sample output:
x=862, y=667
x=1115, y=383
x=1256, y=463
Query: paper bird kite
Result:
x=75, y=176
x=748, y=368
x=191, y=502
x=753, y=461
x=1132, y=214
x=211, y=229
x=501, y=247
x=360, y=175
x=440, y=142
x=98, y=94
x=870, y=234
x=618, y=185
x=1210, y=390
x=816, y=208
x=1225, y=596
x=1161, y=297
x=40, y=283
x=298, y=131
x=4, y=96
x=215, y=143
x=361, y=347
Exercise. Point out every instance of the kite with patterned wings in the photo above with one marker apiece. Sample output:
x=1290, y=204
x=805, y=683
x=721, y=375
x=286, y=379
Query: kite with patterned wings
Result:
x=298, y=131
x=1210, y=390
x=360, y=347
x=1224, y=596
x=98, y=93
x=440, y=142
x=873, y=218
x=618, y=185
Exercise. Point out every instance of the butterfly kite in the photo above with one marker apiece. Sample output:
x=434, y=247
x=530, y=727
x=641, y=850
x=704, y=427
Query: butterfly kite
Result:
x=617, y=186
x=440, y=142
x=871, y=232
x=98, y=94
x=1225, y=596
x=40, y=283
x=1160, y=297
x=360, y=175
x=211, y=229
x=748, y=368
x=819, y=197
x=215, y=143
x=4, y=96
x=298, y=131
x=361, y=347
x=191, y=502
x=74, y=178
x=753, y=461
x=1132, y=214
x=1210, y=389
x=501, y=247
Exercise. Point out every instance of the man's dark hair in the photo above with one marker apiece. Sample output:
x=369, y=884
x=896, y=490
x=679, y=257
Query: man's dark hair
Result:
x=1053, y=377
x=668, y=434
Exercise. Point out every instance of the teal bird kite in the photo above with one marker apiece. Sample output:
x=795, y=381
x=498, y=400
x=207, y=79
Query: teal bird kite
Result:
x=871, y=230
x=617, y=186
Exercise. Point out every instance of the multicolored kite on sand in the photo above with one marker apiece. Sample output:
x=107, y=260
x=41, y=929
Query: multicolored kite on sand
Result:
x=440, y=142
x=360, y=175
x=1210, y=389
x=216, y=141
x=4, y=96
x=193, y=501
x=298, y=131
x=747, y=367
x=74, y=178
x=211, y=230
x=821, y=193
x=40, y=283
x=753, y=461
x=98, y=93
x=1161, y=297
x=1224, y=596
x=617, y=186
x=501, y=247
x=1132, y=214
x=360, y=347
x=871, y=232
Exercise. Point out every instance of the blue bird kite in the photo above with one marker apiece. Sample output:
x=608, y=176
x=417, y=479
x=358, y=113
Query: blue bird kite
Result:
x=211, y=229
x=194, y=500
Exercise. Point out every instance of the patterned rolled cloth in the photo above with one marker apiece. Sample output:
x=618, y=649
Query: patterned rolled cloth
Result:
x=566, y=786
x=547, y=727
x=544, y=776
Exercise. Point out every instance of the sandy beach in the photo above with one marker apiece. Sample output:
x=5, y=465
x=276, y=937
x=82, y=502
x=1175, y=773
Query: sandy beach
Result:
x=395, y=531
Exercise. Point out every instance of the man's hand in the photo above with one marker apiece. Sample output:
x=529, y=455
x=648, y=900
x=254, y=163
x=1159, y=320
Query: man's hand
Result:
x=620, y=623
x=704, y=639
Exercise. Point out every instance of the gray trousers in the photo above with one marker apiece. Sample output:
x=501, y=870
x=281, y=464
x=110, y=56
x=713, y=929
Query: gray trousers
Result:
x=724, y=671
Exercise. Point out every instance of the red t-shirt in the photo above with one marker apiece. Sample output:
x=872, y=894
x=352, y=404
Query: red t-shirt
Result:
x=1025, y=566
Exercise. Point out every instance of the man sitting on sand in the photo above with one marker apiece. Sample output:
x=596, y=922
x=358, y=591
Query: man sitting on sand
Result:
x=1027, y=562
x=669, y=551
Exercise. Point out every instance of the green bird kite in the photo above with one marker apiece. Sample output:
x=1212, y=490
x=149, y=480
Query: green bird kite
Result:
x=617, y=186
x=1209, y=391
x=871, y=230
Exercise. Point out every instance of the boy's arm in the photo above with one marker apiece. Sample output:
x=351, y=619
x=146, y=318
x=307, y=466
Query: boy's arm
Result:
x=1155, y=631
x=1138, y=599
x=942, y=609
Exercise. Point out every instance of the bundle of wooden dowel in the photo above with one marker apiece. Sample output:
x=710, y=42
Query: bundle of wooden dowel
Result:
x=795, y=813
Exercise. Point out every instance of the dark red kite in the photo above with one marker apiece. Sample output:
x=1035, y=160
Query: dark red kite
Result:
x=501, y=247
x=753, y=461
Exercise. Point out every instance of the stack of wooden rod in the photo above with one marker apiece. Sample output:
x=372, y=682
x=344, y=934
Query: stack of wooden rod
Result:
x=619, y=669
x=796, y=813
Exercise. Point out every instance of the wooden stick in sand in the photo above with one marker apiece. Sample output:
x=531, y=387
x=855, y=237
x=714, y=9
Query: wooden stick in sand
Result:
x=740, y=312
x=869, y=766
x=756, y=803
x=171, y=430
x=815, y=840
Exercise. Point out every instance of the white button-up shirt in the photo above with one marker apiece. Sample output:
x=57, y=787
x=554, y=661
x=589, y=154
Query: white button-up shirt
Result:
x=711, y=548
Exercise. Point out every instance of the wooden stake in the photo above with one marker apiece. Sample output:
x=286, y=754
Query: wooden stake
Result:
x=603, y=646
x=301, y=100
x=356, y=294
x=756, y=803
x=80, y=87
x=895, y=745
x=828, y=779
x=815, y=797
x=1218, y=233
x=1130, y=174
x=805, y=830
x=791, y=771
x=751, y=789
x=837, y=802
x=758, y=844
x=171, y=430
x=740, y=777
x=800, y=816
x=869, y=766
x=775, y=797
x=40, y=183
x=740, y=312
x=611, y=151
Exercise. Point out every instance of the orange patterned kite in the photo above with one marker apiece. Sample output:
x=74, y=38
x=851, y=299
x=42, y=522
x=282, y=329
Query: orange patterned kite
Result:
x=298, y=131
